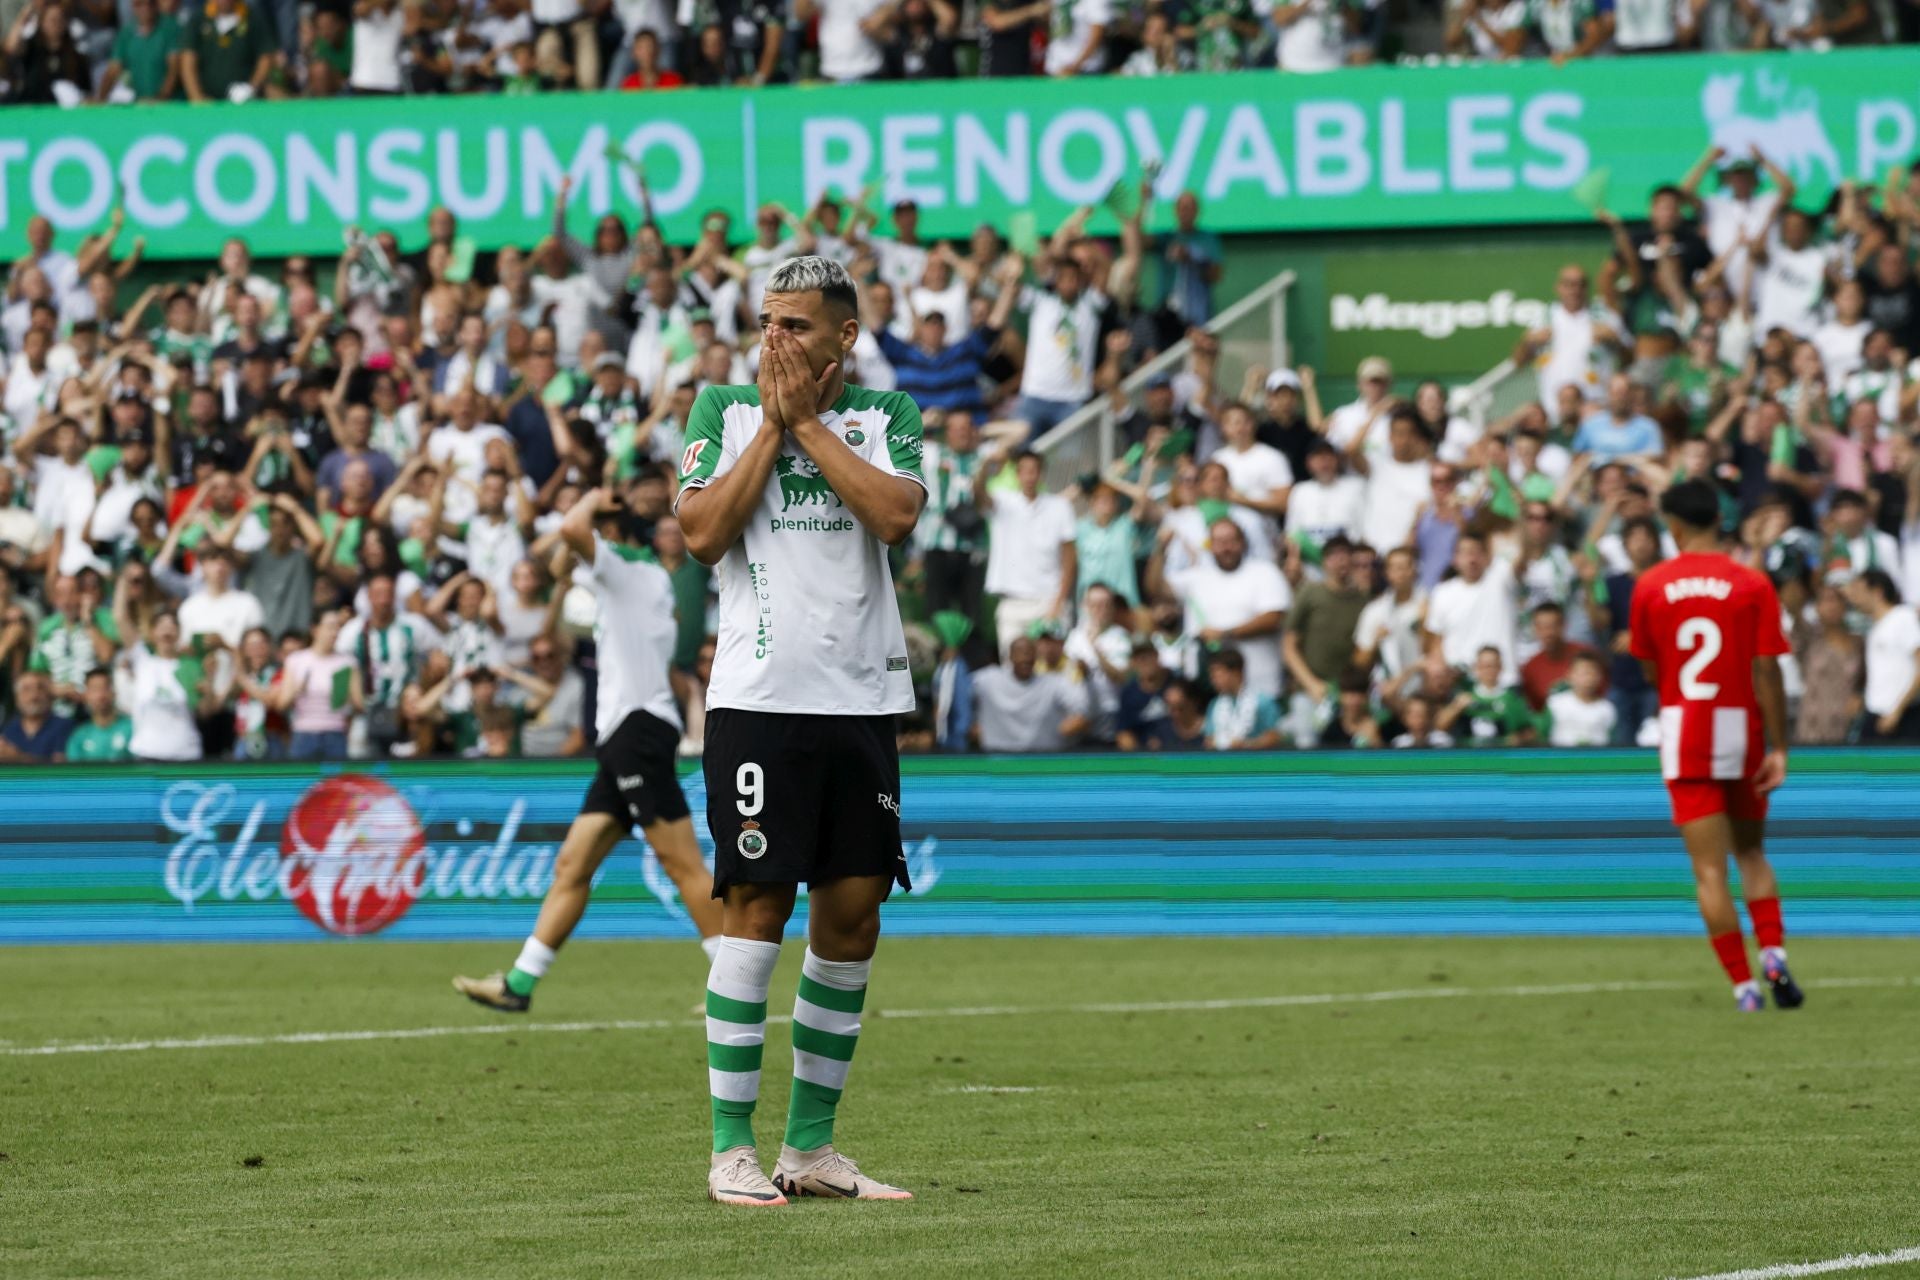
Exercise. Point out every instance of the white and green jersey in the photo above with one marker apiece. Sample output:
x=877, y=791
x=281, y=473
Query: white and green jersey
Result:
x=634, y=651
x=808, y=620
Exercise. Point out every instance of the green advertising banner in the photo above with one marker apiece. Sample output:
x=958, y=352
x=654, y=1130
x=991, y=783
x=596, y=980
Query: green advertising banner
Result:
x=1437, y=313
x=1392, y=147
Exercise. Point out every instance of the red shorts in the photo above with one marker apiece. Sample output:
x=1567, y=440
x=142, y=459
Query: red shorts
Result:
x=1696, y=798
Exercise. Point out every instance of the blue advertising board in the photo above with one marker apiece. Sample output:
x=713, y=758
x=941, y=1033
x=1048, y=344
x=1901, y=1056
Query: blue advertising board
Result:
x=1463, y=843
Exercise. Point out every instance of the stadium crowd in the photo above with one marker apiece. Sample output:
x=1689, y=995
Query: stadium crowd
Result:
x=72, y=52
x=311, y=510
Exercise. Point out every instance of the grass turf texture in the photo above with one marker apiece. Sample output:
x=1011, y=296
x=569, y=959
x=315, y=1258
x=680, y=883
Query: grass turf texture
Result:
x=1648, y=1133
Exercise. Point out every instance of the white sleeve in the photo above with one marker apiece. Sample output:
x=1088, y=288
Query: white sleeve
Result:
x=1274, y=594
x=1068, y=530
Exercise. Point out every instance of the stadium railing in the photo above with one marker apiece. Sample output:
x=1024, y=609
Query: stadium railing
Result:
x=1252, y=331
x=1494, y=394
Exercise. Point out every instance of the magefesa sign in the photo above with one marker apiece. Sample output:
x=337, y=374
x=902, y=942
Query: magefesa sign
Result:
x=1445, y=313
x=1366, y=148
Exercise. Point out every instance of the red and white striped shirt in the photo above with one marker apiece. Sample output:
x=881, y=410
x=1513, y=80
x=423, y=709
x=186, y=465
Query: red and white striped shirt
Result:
x=1702, y=620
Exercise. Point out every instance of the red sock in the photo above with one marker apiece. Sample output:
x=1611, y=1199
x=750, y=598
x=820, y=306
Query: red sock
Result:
x=1767, y=929
x=1732, y=951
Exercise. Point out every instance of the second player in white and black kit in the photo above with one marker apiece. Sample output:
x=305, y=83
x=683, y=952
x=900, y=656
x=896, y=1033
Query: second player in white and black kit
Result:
x=636, y=733
x=795, y=488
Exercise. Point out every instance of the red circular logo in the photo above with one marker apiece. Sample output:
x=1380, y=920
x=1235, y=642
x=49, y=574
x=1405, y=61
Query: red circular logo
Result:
x=358, y=854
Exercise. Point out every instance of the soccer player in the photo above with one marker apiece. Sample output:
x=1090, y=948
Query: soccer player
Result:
x=636, y=730
x=795, y=488
x=1708, y=631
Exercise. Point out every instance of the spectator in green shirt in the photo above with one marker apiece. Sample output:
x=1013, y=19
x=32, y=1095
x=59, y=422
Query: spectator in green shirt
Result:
x=229, y=45
x=1109, y=546
x=103, y=736
x=1319, y=641
x=1495, y=713
x=145, y=60
x=333, y=42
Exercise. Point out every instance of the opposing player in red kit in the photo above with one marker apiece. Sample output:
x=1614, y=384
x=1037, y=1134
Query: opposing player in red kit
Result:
x=1708, y=631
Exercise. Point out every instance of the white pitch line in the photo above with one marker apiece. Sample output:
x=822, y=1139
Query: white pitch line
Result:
x=975, y=1011
x=1852, y=1262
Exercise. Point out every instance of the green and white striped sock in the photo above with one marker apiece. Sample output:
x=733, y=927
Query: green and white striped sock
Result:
x=736, y=1035
x=826, y=1025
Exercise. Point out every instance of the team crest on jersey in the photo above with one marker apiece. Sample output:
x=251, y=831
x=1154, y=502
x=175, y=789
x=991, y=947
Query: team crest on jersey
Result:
x=801, y=483
x=753, y=841
x=855, y=436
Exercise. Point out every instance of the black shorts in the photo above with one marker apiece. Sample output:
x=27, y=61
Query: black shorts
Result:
x=637, y=782
x=802, y=797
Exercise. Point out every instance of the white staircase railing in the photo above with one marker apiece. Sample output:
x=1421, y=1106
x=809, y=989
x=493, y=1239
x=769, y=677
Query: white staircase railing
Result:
x=1251, y=331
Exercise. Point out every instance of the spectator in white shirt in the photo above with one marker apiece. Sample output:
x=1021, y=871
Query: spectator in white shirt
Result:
x=1326, y=503
x=219, y=608
x=1019, y=709
x=1842, y=340
x=1791, y=278
x=33, y=385
x=1258, y=474
x=1578, y=345
x=573, y=295
x=1474, y=610
x=1365, y=420
x=1063, y=335
x=1313, y=35
x=1893, y=657
x=1233, y=599
x=1389, y=634
x=852, y=36
x=378, y=26
x=63, y=485
x=1102, y=648
x=1398, y=481
x=1580, y=715
x=1032, y=563
x=460, y=447
x=1079, y=37
x=1738, y=211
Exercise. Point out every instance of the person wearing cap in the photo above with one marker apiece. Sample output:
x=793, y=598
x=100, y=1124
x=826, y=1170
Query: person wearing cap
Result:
x=1290, y=418
x=1738, y=211
x=1365, y=420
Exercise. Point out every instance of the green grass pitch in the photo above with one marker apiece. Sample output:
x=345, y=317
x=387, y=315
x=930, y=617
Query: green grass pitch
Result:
x=1645, y=1132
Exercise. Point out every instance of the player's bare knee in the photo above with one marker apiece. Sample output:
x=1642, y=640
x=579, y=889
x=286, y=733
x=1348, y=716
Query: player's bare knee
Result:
x=845, y=940
x=574, y=869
